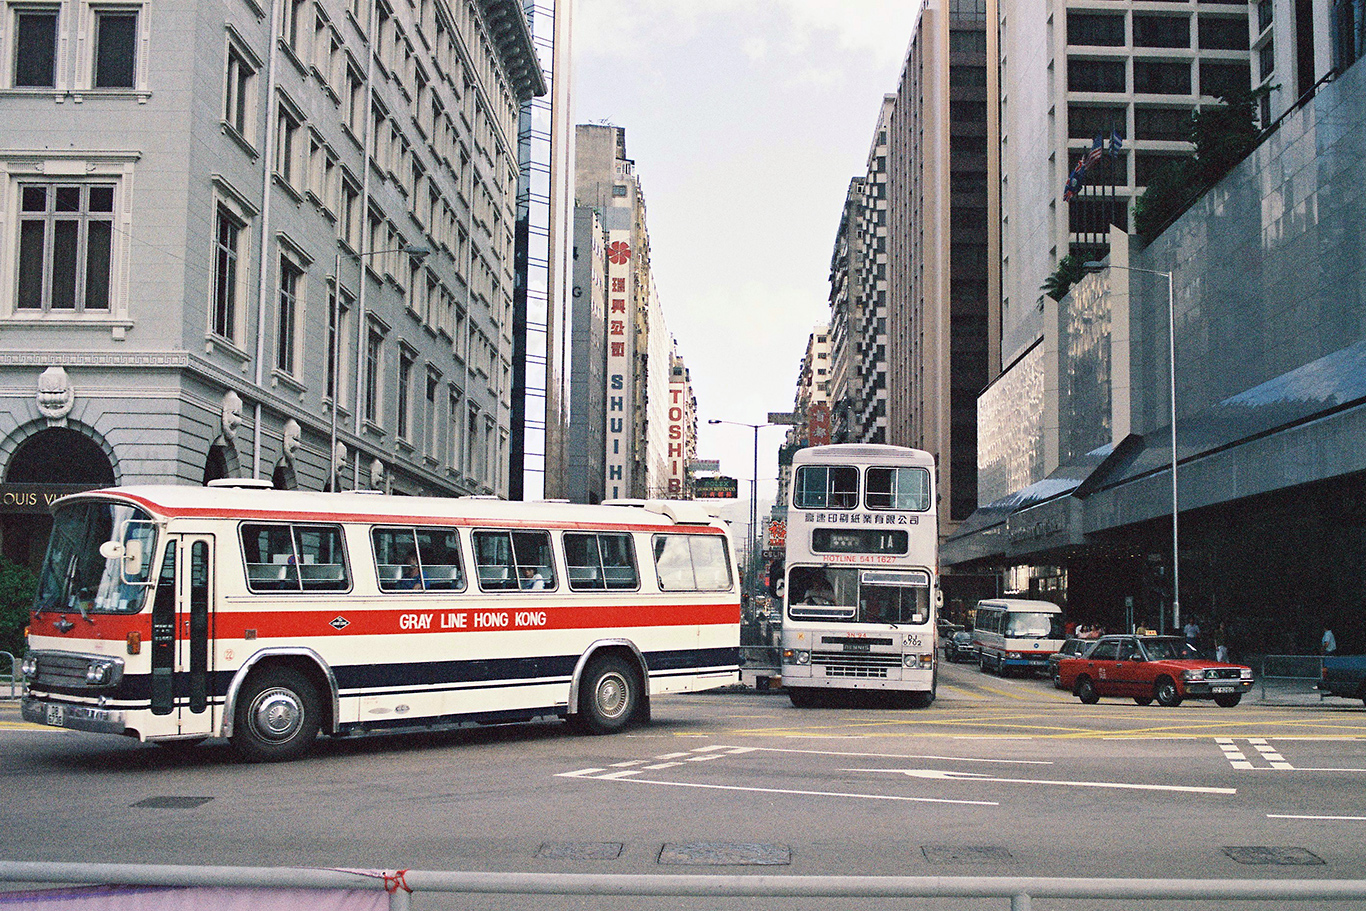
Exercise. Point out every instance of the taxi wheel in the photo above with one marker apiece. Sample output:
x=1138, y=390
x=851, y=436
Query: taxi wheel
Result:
x=1168, y=696
x=1143, y=700
x=1228, y=701
x=1086, y=691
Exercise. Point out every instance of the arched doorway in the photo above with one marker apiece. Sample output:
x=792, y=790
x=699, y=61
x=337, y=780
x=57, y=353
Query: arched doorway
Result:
x=51, y=463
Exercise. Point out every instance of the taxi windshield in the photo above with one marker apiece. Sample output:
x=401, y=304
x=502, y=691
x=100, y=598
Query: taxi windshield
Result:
x=1165, y=649
x=83, y=573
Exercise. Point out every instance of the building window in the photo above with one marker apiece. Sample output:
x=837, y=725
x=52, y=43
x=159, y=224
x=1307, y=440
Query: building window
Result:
x=65, y=246
x=429, y=440
x=1095, y=75
x=1162, y=31
x=373, y=362
x=1224, y=34
x=405, y=383
x=227, y=271
x=338, y=317
x=35, y=48
x=1152, y=77
x=1084, y=122
x=238, y=93
x=1266, y=57
x=1163, y=124
x=1095, y=29
x=1223, y=80
x=287, y=317
x=286, y=145
x=116, y=35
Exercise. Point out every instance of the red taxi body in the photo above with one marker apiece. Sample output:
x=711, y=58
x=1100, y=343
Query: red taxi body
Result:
x=1148, y=668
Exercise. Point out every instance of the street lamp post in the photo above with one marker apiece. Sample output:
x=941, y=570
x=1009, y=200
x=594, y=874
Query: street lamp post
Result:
x=418, y=252
x=1171, y=378
x=753, y=484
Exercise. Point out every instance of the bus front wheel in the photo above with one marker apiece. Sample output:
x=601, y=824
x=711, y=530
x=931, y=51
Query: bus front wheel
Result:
x=608, y=696
x=803, y=697
x=278, y=716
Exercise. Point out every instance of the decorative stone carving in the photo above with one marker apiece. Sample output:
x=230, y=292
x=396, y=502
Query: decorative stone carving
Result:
x=55, y=396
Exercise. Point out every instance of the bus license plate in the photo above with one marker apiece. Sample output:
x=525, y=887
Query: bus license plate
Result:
x=56, y=715
x=1222, y=689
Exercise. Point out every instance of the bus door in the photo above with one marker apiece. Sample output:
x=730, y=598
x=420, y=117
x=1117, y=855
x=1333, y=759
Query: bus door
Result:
x=182, y=625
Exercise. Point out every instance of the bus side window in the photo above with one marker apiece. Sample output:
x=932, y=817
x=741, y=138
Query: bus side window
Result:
x=691, y=563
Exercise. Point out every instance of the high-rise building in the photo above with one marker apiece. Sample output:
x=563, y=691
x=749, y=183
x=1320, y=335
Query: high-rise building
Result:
x=585, y=441
x=1126, y=75
x=639, y=351
x=869, y=285
x=940, y=240
x=290, y=226
x=845, y=276
x=541, y=307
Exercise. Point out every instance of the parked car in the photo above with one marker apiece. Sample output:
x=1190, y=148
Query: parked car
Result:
x=1147, y=668
x=1072, y=648
x=959, y=647
x=1344, y=675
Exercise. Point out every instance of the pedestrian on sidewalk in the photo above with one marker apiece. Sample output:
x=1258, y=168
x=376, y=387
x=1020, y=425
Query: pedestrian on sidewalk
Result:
x=1329, y=643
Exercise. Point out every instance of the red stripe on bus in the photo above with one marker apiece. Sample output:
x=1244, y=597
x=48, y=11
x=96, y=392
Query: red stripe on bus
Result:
x=402, y=619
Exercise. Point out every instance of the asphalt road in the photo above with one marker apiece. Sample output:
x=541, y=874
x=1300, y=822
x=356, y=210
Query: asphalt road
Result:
x=999, y=777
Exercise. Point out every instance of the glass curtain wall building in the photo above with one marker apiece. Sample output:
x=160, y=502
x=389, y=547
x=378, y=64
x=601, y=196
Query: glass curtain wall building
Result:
x=540, y=320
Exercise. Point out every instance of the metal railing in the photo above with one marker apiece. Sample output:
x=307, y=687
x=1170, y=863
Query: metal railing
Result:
x=1290, y=676
x=13, y=680
x=400, y=884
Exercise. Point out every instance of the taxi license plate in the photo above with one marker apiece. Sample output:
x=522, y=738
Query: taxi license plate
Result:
x=1222, y=689
x=56, y=715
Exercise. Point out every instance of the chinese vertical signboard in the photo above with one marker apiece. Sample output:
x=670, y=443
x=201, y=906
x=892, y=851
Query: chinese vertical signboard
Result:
x=619, y=374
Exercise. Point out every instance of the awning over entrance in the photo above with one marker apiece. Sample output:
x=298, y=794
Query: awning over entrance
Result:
x=1303, y=426
x=1044, y=515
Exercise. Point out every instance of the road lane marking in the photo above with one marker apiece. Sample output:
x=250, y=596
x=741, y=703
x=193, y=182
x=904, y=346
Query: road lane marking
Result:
x=901, y=756
x=661, y=765
x=1234, y=755
x=727, y=787
x=944, y=775
x=580, y=773
x=1330, y=818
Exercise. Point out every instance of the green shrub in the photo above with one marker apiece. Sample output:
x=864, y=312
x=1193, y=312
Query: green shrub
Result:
x=17, y=585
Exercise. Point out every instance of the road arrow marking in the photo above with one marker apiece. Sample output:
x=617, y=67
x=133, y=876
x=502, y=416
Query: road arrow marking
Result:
x=944, y=775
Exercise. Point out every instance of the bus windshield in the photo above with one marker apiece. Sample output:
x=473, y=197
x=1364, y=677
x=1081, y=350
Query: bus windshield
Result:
x=1033, y=625
x=852, y=595
x=78, y=576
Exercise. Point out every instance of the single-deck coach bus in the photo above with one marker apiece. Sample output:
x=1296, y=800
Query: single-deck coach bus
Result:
x=861, y=587
x=172, y=614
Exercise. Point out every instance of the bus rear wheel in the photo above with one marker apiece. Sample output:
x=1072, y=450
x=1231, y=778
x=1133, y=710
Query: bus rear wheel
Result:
x=278, y=716
x=608, y=695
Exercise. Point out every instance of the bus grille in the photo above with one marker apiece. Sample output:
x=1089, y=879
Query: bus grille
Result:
x=843, y=664
x=61, y=670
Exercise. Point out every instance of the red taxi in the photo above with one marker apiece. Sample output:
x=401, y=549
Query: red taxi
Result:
x=1145, y=668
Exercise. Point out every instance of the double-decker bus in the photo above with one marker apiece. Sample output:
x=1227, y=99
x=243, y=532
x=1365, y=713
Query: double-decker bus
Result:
x=173, y=614
x=861, y=584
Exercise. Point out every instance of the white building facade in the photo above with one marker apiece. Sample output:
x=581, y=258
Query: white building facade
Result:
x=269, y=241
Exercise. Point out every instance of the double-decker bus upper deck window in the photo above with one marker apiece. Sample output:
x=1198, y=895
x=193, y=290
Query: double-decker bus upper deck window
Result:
x=906, y=489
x=417, y=559
x=76, y=576
x=294, y=558
x=691, y=563
x=826, y=487
x=514, y=560
x=600, y=562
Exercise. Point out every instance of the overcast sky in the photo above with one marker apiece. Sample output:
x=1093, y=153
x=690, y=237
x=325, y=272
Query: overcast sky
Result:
x=746, y=120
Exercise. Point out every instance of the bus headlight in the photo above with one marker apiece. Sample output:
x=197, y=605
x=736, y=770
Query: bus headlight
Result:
x=796, y=656
x=102, y=673
x=913, y=660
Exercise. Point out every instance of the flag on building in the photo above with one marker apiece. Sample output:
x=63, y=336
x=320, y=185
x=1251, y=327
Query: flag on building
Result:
x=1097, y=149
x=1116, y=143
